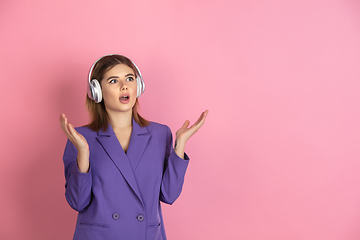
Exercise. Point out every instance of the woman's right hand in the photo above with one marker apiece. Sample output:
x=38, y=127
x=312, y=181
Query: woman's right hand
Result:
x=79, y=142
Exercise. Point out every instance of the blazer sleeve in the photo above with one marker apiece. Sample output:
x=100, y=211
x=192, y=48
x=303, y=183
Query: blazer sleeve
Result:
x=78, y=184
x=174, y=173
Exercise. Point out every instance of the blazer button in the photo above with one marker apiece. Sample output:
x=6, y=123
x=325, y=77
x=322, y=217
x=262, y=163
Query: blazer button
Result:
x=140, y=218
x=116, y=216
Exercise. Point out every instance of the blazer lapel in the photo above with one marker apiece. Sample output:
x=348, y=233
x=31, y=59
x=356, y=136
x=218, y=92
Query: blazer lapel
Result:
x=138, y=142
x=112, y=147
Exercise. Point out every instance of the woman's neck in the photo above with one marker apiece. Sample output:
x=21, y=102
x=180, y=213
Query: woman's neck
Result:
x=119, y=120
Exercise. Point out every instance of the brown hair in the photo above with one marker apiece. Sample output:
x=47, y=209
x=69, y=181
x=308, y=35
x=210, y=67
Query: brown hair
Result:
x=97, y=111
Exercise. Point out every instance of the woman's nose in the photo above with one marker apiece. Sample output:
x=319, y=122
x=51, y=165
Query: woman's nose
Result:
x=124, y=86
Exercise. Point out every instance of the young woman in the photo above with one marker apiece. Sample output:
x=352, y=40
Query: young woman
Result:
x=120, y=166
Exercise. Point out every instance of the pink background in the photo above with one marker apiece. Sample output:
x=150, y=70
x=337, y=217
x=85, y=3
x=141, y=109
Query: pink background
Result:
x=279, y=155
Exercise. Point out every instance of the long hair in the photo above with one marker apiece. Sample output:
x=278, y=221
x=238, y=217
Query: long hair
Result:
x=98, y=116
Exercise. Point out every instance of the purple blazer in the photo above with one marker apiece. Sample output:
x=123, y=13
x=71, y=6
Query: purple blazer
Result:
x=119, y=198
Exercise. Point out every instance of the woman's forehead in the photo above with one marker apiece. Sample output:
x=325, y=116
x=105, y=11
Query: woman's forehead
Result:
x=119, y=69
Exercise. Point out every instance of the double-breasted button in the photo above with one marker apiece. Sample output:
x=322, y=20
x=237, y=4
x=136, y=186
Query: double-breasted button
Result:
x=116, y=216
x=140, y=218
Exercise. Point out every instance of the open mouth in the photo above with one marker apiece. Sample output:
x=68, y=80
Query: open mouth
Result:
x=124, y=99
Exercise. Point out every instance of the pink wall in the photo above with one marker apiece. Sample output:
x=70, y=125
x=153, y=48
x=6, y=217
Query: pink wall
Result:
x=279, y=156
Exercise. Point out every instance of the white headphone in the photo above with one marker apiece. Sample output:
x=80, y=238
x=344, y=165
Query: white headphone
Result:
x=94, y=88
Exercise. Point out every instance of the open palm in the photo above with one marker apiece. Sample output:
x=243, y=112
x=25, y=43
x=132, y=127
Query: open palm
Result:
x=185, y=132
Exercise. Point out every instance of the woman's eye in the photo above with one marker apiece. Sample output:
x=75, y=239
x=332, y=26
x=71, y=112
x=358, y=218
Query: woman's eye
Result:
x=130, y=79
x=113, y=81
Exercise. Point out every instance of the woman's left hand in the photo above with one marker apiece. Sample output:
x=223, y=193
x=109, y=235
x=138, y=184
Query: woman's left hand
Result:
x=185, y=132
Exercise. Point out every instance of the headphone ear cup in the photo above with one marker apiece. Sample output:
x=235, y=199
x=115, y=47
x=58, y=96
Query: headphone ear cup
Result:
x=95, y=91
x=140, y=86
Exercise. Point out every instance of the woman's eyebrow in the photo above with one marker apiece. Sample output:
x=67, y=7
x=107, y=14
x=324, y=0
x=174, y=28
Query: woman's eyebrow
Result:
x=127, y=75
x=112, y=77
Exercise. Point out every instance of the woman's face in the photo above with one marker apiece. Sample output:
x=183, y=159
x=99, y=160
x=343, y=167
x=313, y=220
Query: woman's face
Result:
x=119, y=89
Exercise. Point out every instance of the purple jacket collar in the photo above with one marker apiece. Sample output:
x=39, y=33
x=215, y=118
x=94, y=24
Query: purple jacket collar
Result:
x=126, y=163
